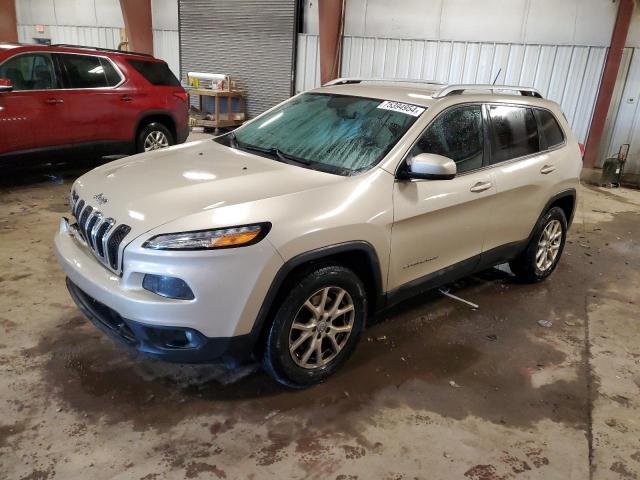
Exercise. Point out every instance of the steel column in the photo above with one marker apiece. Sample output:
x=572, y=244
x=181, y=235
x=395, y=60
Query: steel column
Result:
x=8, y=23
x=137, y=22
x=331, y=20
x=605, y=92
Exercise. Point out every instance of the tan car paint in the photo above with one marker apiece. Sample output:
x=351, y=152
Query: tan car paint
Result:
x=415, y=227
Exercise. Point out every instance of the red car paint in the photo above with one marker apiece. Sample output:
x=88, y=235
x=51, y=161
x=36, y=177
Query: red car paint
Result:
x=62, y=121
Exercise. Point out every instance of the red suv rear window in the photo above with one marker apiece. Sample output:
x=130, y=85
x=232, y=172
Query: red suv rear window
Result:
x=156, y=73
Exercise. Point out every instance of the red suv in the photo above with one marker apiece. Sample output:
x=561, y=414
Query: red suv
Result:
x=63, y=100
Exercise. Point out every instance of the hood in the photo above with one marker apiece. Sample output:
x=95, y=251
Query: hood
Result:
x=150, y=189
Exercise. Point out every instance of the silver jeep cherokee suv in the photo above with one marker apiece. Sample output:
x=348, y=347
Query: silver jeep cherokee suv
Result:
x=277, y=241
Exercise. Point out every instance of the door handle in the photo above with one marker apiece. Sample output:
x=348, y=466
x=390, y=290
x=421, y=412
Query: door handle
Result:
x=547, y=169
x=481, y=187
x=126, y=98
x=53, y=101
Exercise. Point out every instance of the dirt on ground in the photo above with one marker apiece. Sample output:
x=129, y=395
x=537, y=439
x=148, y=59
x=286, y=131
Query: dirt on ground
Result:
x=435, y=389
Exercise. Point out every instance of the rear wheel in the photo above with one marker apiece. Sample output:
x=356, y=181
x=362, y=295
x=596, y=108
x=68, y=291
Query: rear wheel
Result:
x=543, y=252
x=316, y=327
x=153, y=137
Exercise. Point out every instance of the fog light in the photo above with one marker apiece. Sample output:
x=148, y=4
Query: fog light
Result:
x=174, y=337
x=170, y=287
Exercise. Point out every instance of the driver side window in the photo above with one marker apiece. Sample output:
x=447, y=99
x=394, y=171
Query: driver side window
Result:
x=456, y=134
x=31, y=71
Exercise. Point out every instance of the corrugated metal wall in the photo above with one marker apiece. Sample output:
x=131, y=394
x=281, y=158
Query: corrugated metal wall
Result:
x=568, y=75
x=165, y=42
x=624, y=118
x=251, y=40
x=106, y=37
x=166, y=45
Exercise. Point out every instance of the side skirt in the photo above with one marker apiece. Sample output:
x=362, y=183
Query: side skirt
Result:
x=454, y=272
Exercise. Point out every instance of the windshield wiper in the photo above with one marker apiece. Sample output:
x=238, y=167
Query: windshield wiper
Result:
x=275, y=152
x=233, y=141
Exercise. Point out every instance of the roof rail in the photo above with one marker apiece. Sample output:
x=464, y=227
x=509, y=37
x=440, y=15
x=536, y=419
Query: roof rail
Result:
x=458, y=89
x=100, y=49
x=350, y=80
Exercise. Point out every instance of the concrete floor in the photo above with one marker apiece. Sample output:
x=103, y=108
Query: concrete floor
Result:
x=435, y=391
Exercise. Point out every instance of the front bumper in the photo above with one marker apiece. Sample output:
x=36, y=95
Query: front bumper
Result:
x=229, y=287
x=151, y=340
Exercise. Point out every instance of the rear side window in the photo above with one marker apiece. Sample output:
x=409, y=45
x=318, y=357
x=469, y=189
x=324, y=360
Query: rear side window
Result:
x=30, y=71
x=550, y=130
x=87, y=71
x=456, y=134
x=156, y=73
x=514, y=132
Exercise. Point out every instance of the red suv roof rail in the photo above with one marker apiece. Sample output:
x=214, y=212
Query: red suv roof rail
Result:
x=100, y=49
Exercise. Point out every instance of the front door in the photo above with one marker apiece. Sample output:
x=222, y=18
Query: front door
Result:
x=439, y=225
x=32, y=115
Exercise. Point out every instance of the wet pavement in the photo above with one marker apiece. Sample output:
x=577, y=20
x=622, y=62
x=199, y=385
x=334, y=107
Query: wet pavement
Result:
x=434, y=390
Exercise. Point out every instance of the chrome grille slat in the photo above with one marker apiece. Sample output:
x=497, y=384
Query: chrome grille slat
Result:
x=94, y=229
x=103, y=235
x=110, y=222
x=88, y=226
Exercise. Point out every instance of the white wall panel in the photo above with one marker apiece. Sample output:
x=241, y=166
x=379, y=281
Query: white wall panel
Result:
x=540, y=26
x=106, y=37
x=307, y=63
x=568, y=75
x=164, y=14
x=103, y=13
x=548, y=22
x=489, y=20
x=166, y=45
x=38, y=11
x=633, y=37
x=404, y=19
x=594, y=22
x=626, y=126
x=75, y=12
x=108, y=13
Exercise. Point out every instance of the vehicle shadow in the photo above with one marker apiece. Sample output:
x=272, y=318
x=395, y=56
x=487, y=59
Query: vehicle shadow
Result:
x=47, y=173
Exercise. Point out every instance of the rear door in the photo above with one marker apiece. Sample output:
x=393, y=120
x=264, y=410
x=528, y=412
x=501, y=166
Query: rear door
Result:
x=98, y=100
x=524, y=167
x=32, y=115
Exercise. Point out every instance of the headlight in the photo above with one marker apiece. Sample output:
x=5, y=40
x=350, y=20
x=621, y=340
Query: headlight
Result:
x=209, y=239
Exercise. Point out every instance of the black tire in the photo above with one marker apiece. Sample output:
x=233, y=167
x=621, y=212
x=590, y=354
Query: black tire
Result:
x=149, y=129
x=278, y=361
x=524, y=266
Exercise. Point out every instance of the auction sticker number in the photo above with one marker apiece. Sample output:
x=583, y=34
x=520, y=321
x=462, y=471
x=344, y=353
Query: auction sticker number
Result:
x=406, y=108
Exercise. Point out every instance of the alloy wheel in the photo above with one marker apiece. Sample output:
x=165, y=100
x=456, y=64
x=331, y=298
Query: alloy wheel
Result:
x=321, y=328
x=549, y=245
x=155, y=140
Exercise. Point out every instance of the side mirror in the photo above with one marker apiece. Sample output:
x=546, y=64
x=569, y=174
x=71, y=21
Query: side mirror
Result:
x=5, y=85
x=429, y=166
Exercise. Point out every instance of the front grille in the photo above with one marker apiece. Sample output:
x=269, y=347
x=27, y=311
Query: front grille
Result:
x=103, y=236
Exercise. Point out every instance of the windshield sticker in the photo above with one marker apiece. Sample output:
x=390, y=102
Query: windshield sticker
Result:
x=400, y=107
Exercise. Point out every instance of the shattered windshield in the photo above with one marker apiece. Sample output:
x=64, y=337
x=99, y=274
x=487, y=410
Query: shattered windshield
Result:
x=333, y=133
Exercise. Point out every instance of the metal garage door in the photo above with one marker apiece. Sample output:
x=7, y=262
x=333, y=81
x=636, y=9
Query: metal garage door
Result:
x=251, y=40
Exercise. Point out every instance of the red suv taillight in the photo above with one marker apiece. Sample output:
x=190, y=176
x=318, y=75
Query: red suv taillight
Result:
x=181, y=95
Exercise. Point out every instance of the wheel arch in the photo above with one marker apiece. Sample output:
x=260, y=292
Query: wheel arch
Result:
x=160, y=116
x=359, y=256
x=566, y=200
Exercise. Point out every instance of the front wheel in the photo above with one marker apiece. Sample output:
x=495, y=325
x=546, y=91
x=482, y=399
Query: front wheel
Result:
x=153, y=137
x=543, y=252
x=316, y=327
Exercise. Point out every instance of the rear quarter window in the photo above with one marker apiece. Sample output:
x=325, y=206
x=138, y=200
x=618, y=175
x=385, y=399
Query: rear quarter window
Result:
x=156, y=73
x=550, y=129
